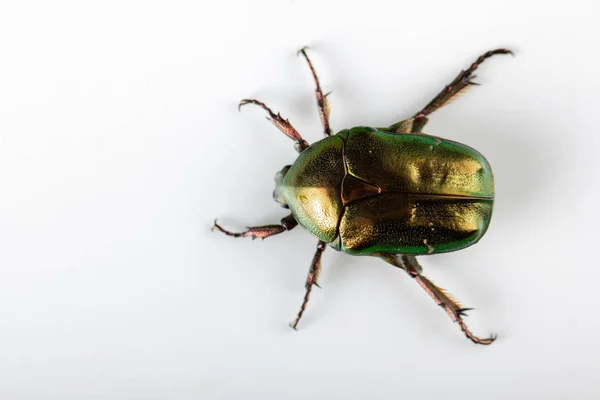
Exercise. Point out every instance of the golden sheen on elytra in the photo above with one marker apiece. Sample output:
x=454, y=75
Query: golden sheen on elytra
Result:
x=393, y=193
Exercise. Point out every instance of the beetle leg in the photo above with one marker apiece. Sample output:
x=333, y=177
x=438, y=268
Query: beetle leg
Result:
x=458, y=85
x=262, y=232
x=412, y=125
x=283, y=124
x=321, y=98
x=311, y=279
x=440, y=296
x=450, y=92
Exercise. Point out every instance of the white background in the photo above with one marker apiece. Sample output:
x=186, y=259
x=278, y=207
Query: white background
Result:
x=120, y=142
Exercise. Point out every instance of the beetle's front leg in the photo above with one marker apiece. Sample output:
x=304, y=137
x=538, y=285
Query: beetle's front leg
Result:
x=451, y=306
x=262, y=232
x=311, y=279
x=283, y=124
x=321, y=98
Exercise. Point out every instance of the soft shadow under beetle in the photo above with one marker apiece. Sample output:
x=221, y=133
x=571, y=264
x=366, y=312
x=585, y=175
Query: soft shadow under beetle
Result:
x=393, y=193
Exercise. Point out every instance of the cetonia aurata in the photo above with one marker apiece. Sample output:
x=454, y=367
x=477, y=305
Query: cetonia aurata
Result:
x=394, y=193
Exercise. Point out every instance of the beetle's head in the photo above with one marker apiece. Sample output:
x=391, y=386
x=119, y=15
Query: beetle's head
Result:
x=278, y=192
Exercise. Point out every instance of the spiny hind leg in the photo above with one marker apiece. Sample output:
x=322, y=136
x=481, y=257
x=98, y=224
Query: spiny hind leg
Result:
x=458, y=85
x=452, y=307
x=262, y=232
x=412, y=125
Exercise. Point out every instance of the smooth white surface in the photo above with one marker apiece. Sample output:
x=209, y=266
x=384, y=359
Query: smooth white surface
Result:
x=120, y=142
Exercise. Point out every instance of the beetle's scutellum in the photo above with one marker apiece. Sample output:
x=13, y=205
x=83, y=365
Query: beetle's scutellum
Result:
x=393, y=193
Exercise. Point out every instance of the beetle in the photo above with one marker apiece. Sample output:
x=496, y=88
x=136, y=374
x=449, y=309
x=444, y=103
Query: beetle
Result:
x=394, y=192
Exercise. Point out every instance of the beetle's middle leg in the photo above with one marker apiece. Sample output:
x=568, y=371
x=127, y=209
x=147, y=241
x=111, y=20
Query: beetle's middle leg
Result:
x=321, y=98
x=311, y=279
x=262, y=232
x=451, y=306
x=283, y=124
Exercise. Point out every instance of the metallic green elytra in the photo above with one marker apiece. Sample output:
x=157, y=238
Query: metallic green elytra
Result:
x=368, y=191
x=393, y=193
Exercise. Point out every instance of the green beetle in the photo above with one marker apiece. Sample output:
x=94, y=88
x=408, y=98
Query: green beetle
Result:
x=393, y=193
